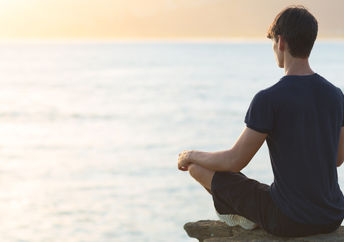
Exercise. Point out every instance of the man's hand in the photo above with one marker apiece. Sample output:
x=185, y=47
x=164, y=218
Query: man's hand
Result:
x=234, y=159
x=184, y=160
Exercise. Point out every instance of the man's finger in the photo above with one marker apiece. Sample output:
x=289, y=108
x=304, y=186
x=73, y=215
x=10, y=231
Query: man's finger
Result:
x=182, y=168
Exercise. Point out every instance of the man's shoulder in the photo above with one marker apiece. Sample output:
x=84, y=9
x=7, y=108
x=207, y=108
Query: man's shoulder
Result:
x=327, y=82
x=328, y=87
x=270, y=91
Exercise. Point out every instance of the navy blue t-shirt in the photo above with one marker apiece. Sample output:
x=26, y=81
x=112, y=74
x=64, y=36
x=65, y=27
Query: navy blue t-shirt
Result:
x=302, y=116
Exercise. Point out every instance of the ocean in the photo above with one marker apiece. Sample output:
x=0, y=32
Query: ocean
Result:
x=91, y=132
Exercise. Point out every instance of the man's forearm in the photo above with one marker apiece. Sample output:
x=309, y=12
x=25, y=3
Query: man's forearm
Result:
x=216, y=161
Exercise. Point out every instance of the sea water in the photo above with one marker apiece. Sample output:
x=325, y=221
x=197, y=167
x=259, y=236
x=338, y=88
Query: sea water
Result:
x=90, y=132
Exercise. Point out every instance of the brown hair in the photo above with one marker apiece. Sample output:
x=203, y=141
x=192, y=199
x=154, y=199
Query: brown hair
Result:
x=298, y=27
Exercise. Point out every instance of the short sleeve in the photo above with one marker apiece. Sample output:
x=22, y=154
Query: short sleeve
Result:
x=259, y=115
x=342, y=106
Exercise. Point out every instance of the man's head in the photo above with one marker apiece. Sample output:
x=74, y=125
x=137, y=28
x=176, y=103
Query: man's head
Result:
x=297, y=28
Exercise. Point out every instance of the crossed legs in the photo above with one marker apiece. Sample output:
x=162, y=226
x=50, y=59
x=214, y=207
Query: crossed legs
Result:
x=202, y=175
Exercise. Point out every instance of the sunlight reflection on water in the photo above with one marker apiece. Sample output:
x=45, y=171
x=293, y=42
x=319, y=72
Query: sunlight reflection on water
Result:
x=90, y=133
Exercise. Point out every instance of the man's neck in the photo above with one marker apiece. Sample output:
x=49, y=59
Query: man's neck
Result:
x=297, y=66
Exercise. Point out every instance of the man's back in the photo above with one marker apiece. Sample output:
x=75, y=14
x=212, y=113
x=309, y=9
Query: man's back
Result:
x=303, y=116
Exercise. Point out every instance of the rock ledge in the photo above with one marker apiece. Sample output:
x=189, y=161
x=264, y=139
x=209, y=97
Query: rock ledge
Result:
x=216, y=231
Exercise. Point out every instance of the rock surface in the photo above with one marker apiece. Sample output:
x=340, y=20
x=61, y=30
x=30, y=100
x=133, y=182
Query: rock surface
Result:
x=216, y=231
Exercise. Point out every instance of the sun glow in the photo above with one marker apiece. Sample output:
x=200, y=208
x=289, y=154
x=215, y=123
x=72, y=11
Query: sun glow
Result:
x=152, y=18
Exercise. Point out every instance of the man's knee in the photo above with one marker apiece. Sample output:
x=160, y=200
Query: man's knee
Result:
x=194, y=170
x=202, y=175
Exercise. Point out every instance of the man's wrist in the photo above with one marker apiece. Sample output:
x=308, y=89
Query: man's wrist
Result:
x=195, y=156
x=191, y=156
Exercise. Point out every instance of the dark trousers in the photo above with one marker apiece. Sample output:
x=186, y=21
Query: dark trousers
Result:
x=234, y=193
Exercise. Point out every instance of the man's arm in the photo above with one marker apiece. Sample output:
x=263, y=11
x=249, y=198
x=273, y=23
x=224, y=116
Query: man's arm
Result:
x=234, y=159
x=340, y=157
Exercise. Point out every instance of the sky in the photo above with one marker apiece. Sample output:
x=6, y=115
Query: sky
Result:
x=103, y=19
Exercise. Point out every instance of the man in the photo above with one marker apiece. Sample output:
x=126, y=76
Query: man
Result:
x=301, y=119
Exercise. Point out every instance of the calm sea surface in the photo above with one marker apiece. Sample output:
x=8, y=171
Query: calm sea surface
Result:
x=90, y=132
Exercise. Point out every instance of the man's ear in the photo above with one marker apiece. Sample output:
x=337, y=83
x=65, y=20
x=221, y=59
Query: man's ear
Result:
x=281, y=43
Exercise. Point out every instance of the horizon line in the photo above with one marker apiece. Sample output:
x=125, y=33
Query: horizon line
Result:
x=152, y=39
